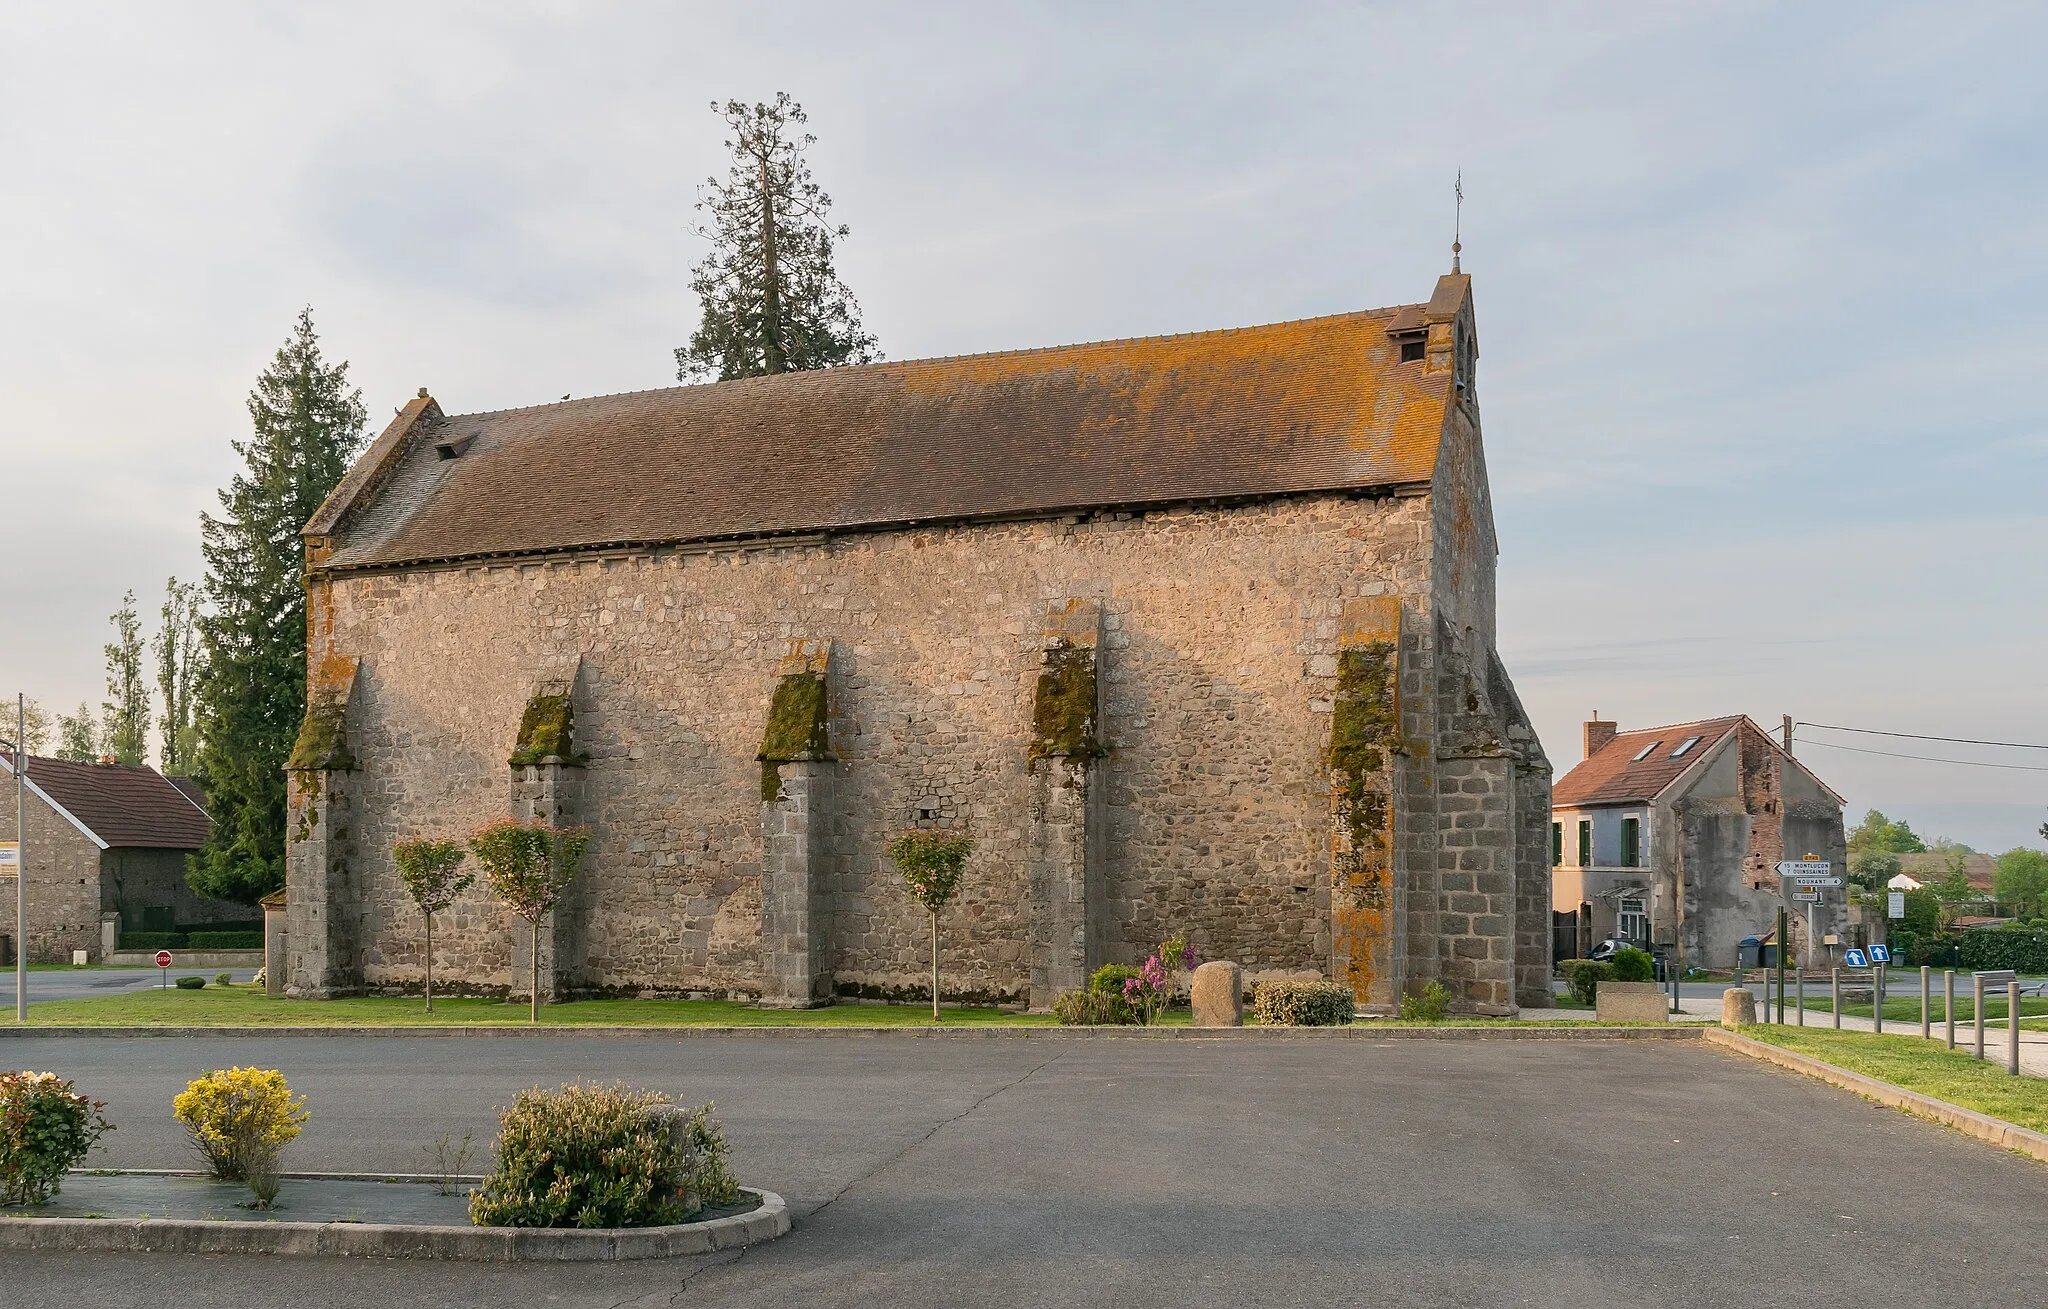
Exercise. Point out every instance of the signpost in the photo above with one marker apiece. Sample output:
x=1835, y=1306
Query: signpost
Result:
x=1880, y=953
x=1855, y=958
x=163, y=967
x=1796, y=867
x=1895, y=904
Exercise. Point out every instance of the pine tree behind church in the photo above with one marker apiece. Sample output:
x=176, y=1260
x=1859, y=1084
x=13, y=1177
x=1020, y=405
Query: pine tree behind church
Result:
x=772, y=301
x=252, y=693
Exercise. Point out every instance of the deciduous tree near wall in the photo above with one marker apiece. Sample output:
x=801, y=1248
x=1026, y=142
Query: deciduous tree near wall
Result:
x=528, y=866
x=772, y=301
x=251, y=693
x=429, y=871
x=176, y=647
x=932, y=863
x=2021, y=882
x=78, y=736
x=124, y=716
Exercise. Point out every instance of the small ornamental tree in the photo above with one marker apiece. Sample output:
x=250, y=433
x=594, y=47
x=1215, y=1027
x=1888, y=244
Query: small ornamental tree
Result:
x=528, y=866
x=428, y=869
x=931, y=862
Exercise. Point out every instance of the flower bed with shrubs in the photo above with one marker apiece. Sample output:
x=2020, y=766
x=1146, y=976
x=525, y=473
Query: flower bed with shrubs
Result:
x=46, y=1129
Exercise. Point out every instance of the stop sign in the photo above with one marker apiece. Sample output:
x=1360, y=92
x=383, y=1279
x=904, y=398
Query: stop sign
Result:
x=163, y=959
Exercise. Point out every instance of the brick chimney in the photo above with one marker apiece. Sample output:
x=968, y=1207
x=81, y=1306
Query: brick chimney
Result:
x=1598, y=734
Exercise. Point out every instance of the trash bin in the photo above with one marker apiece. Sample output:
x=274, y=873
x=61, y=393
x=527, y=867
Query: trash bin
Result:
x=1751, y=952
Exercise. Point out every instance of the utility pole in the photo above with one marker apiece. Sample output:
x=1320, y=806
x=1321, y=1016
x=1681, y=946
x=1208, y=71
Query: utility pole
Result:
x=1787, y=729
x=20, y=858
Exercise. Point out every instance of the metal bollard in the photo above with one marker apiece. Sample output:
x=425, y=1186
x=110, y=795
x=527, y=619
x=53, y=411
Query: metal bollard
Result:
x=1800, y=985
x=1977, y=984
x=1835, y=990
x=1877, y=995
x=2012, y=1021
x=1926, y=974
x=1948, y=1003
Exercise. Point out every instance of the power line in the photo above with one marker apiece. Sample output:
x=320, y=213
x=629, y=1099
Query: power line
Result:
x=1924, y=758
x=1915, y=736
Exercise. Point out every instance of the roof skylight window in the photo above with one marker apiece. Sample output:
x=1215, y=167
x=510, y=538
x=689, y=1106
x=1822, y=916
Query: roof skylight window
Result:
x=1644, y=753
x=1685, y=745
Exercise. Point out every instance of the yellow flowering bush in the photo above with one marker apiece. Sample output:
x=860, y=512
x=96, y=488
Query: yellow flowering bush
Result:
x=239, y=1118
x=46, y=1128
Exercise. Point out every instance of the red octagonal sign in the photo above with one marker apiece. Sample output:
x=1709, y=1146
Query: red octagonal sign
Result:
x=163, y=959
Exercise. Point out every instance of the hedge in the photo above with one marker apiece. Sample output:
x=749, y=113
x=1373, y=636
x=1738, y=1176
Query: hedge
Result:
x=2023, y=949
x=152, y=940
x=1584, y=977
x=1303, y=1004
x=224, y=940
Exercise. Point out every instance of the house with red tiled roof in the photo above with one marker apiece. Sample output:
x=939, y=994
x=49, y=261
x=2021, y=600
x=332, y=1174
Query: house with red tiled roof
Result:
x=106, y=853
x=1189, y=634
x=1669, y=838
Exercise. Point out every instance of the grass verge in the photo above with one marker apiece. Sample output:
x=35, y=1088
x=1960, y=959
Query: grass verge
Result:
x=1906, y=1009
x=1923, y=1066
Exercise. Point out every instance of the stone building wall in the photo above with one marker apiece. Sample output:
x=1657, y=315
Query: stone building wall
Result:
x=63, y=882
x=1220, y=642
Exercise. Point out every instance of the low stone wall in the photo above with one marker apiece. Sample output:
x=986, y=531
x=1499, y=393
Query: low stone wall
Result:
x=189, y=959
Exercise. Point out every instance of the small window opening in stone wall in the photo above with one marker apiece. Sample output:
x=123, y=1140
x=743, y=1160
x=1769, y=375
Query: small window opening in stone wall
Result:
x=1413, y=351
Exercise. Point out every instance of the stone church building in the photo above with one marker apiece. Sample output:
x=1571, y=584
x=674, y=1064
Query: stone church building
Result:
x=1190, y=633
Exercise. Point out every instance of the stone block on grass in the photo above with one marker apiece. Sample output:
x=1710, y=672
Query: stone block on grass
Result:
x=1217, y=994
x=1631, y=1002
x=1738, y=1007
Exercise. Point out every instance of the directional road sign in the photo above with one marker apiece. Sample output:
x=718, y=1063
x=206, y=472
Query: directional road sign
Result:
x=1855, y=959
x=1814, y=879
x=1805, y=896
x=1794, y=867
x=1881, y=954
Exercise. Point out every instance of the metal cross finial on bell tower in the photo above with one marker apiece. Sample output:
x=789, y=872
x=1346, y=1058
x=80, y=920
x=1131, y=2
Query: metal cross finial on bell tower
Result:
x=1458, y=223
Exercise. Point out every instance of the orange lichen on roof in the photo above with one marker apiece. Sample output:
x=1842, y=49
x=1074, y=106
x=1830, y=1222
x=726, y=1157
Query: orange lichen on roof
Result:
x=1320, y=404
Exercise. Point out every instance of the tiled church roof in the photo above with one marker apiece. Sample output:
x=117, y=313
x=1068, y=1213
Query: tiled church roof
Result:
x=1320, y=404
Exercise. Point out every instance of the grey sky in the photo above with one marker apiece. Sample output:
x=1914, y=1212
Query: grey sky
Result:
x=1760, y=287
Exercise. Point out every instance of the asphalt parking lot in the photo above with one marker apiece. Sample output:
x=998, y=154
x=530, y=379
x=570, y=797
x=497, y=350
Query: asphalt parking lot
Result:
x=1137, y=1173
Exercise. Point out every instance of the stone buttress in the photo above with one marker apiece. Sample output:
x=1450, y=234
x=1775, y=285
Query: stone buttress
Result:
x=1368, y=900
x=797, y=818
x=545, y=784
x=324, y=900
x=1066, y=821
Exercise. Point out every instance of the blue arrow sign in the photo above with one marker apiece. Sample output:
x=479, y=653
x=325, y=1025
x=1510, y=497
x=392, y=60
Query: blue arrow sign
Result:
x=1881, y=954
x=1855, y=959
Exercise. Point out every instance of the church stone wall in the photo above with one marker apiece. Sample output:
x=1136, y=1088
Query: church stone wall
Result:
x=1219, y=661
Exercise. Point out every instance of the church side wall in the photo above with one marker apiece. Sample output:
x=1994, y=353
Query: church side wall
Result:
x=1220, y=637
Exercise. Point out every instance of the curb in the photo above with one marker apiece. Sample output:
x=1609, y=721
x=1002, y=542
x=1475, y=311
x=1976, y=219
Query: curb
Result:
x=400, y=1240
x=1364, y=1031
x=1996, y=1131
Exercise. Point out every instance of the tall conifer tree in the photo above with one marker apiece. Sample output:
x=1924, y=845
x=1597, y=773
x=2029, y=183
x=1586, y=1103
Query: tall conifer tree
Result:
x=124, y=715
x=177, y=667
x=772, y=301
x=251, y=696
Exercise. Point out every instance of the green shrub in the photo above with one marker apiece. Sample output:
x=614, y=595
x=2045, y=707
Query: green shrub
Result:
x=46, y=1129
x=1428, y=1007
x=1093, y=1009
x=152, y=940
x=596, y=1156
x=1583, y=975
x=1303, y=1004
x=223, y=979
x=2023, y=949
x=1633, y=965
x=191, y=984
x=1111, y=977
x=239, y=1119
x=223, y=940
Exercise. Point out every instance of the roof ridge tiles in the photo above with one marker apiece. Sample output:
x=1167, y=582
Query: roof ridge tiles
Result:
x=1015, y=352
x=1674, y=727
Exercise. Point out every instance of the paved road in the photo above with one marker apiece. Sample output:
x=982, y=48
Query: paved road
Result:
x=1140, y=1173
x=77, y=983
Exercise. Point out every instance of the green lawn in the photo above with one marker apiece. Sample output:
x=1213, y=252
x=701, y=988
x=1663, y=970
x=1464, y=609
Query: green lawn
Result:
x=1923, y=1066
x=246, y=1006
x=1906, y=1009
